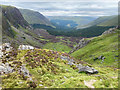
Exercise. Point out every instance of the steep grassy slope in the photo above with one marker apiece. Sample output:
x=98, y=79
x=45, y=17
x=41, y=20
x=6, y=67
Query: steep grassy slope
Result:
x=111, y=22
x=47, y=70
x=104, y=21
x=33, y=17
x=104, y=45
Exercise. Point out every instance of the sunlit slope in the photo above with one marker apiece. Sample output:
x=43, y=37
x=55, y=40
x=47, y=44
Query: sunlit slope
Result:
x=105, y=46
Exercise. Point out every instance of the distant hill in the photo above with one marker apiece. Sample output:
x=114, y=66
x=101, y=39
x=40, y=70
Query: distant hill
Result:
x=12, y=17
x=111, y=22
x=104, y=21
x=79, y=20
x=64, y=23
x=34, y=17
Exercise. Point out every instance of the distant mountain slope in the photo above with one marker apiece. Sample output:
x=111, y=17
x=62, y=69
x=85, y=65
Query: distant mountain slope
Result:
x=12, y=17
x=16, y=29
x=104, y=21
x=64, y=23
x=33, y=17
x=80, y=20
x=111, y=22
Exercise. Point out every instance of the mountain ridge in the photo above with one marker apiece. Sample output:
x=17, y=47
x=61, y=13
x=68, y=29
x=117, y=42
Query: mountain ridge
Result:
x=34, y=17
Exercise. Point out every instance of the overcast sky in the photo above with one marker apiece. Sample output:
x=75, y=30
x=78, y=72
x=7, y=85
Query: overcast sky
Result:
x=68, y=7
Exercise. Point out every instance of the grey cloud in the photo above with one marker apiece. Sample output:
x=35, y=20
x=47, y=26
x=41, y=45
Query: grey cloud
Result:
x=70, y=8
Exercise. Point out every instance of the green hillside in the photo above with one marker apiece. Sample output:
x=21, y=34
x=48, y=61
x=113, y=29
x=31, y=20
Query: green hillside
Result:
x=34, y=17
x=48, y=70
x=111, y=22
x=104, y=45
x=104, y=21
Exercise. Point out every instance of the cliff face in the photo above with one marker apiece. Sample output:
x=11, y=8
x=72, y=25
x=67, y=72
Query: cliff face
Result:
x=13, y=15
x=15, y=29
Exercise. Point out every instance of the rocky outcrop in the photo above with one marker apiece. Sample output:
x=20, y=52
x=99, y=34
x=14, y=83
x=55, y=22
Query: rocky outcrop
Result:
x=111, y=30
x=25, y=47
x=81, y=44
x=6, y=47
x=80, y=67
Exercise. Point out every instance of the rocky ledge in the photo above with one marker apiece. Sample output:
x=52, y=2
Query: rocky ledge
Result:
x=81, y=44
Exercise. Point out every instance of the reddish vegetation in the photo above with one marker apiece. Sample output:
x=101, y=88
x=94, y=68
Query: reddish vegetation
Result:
x=69, y=41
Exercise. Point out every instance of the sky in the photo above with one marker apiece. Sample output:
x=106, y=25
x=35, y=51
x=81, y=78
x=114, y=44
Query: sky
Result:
x=93, y=8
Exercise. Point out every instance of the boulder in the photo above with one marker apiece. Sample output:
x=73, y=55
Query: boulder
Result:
x=87, y=69
x=7, y=47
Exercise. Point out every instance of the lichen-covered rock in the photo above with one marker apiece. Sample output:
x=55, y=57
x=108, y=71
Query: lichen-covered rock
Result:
x=87, y=69
x=80, y=67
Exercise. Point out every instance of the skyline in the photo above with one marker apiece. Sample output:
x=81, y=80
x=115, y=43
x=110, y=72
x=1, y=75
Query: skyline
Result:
x=68, y=8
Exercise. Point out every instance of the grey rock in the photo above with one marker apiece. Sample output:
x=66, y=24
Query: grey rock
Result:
x=70, y=63
x=100, y=57
x=65, y=77
x=25, y=71
x=64, y=57
x=5, y=68
x=103, y=58
x=80, y=67
x=25, y=47
x=40, y=85
x=2, y=68
x=88, y=69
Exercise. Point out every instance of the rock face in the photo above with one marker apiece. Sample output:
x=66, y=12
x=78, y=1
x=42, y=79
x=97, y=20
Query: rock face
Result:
x=80, y=67
x=81, y=44
x=111, y=30
x=25, y=47
x=13, y=15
